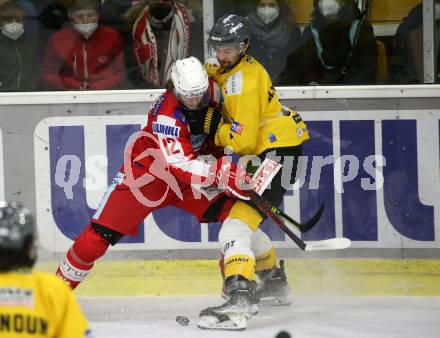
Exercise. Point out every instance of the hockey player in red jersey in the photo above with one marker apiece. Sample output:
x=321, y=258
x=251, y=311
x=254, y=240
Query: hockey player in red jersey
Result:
x=161, y=168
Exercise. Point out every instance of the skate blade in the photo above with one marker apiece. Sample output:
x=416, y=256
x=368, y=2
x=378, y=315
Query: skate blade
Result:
x=275, y=301
x=234, y=323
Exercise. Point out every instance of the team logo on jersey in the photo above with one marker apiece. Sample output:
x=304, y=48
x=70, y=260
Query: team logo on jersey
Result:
x=236, y=127
x=234, y=85
x=197, y=140
x=12, y=296
x=164, y=129
x=297, y=118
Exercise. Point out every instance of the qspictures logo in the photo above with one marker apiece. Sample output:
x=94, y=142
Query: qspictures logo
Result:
x=367, y=170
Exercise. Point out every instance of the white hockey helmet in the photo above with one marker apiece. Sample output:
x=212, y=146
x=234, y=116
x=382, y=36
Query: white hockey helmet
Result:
x=189, y=78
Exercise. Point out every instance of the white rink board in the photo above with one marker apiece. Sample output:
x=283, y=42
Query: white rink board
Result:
x=95, y=144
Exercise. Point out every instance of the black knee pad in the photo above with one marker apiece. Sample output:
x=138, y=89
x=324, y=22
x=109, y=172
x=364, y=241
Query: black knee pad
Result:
x=108, y=234
x=211, y=214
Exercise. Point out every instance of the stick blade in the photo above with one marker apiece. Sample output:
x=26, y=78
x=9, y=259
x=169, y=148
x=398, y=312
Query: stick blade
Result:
x=328, y=244
x=312, y=222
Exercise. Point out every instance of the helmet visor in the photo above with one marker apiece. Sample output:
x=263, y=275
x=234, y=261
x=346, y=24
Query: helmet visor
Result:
x=193, y=101
x=215, y=47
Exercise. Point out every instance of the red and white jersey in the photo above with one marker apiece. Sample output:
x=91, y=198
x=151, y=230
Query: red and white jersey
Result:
x=165, y=145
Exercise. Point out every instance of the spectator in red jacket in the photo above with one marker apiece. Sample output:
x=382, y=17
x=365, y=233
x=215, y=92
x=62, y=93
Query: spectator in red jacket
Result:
x=85, y=55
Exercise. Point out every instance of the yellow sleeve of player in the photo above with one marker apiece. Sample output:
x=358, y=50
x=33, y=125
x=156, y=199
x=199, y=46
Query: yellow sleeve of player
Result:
x=243, y=104
x=67, y=315
x=74, y=323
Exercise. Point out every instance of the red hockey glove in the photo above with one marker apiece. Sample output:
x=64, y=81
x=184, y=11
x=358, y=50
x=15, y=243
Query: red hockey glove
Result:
x=234, y=180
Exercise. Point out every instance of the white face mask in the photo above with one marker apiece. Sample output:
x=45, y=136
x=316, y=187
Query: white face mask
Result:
x=436, y=11
x=86, y=29
x=13, y=30
x=329, y=7
x=268, y=14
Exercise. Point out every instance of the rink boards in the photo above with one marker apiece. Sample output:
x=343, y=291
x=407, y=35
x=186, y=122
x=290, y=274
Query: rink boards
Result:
x=378, y=175
x=374, y=159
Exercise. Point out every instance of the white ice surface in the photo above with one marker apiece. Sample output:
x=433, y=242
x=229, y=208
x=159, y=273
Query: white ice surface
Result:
x=307, y=317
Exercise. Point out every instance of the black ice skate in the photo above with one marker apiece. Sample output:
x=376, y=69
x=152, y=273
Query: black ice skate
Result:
x=234, y=313
x=273, y=289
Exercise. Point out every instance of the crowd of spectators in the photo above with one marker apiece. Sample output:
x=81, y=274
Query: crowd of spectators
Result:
x=126, y=44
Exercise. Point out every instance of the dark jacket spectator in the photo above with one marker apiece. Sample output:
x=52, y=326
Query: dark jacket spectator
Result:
x=52, y=17
x=18, y=69
x=197, y=42
x=274, y=35
x=31, y=20
x=85, y=56
x=406, y=56
x=161, y=35
x=113, y=16
x=338, y=47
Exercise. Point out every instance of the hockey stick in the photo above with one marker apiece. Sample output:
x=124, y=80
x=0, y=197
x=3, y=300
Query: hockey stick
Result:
x=303, y=227
x=262, y=178
x=328, y=244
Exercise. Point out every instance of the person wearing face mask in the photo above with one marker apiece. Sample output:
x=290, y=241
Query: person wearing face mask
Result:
x=274, y=35
x=406, y=54
x=161, y=35
x=338, y=47
x=31, y=14
x=18, y=71
x=85, y=55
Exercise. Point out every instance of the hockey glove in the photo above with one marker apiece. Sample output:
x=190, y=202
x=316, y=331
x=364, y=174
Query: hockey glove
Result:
x=203, y=121
x=231, y=178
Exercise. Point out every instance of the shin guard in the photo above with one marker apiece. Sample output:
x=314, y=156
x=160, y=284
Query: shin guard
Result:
x=79, y=260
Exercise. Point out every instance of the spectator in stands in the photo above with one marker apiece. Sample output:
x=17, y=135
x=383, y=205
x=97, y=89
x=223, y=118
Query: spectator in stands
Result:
x=161, y=35
x=406, y=56
x=53, y=16
x=113, y=16
x=86, y=55
x=18, y=70
x=274, y=35
x=237, y=7
x=30, y=20
x=197, y=41
x=338, y=47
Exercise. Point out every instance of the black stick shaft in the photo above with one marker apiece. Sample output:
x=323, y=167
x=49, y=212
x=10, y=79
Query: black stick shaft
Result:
x=266, y=208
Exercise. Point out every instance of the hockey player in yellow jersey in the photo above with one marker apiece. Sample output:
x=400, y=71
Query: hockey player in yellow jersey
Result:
x=32, y=304
x=254, y=123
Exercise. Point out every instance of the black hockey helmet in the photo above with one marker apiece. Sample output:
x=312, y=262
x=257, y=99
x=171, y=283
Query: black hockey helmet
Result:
x=17, y=233
x=230, y=28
